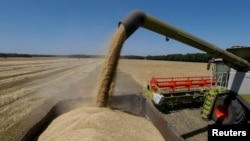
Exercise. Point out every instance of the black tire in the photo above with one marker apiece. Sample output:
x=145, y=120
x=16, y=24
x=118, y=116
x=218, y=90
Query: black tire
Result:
x=227, y=110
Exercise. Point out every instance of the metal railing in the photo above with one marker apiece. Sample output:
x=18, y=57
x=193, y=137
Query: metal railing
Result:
x=222, y=79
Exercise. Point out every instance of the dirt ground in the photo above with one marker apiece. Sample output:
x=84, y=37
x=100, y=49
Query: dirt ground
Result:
x=29, y=88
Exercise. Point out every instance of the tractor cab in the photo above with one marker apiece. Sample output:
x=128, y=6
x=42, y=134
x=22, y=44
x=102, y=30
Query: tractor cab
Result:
x=220, y=71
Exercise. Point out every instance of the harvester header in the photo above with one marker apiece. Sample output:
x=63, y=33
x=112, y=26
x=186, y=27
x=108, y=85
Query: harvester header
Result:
x=139, y=18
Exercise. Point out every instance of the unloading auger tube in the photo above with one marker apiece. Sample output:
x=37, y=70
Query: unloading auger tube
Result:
x=137, y=18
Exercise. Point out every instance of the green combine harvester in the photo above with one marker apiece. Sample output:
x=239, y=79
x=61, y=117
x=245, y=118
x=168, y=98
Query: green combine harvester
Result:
x=226, y=94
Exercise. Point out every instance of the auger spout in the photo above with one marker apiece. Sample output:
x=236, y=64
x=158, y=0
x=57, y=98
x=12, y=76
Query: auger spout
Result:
x=135, y=19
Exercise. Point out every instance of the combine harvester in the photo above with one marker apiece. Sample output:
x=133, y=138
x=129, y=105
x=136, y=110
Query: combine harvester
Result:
x=224, y=94
x=226, y=102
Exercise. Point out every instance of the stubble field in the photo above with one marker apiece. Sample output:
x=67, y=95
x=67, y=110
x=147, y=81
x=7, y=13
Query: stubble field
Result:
x=30, y=87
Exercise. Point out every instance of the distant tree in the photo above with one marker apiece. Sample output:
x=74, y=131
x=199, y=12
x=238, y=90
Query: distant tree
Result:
x=189, y=57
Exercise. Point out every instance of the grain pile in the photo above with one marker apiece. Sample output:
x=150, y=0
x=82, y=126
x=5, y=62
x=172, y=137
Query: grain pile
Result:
x=100, y=123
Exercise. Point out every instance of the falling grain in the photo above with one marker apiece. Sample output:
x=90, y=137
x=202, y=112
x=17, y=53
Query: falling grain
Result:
x=104, y=88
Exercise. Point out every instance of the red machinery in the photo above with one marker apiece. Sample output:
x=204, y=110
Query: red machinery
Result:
x=176, y=90
x=177, y=84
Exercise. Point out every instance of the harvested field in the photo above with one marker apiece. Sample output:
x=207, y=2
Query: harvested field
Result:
x=29, y=88
x=142, y=70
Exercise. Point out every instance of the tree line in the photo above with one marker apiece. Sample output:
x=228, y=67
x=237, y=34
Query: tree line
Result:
x=6, y=55
x=189, y=57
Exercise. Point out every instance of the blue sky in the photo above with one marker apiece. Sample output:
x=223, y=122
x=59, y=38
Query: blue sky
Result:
x=87, y=26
